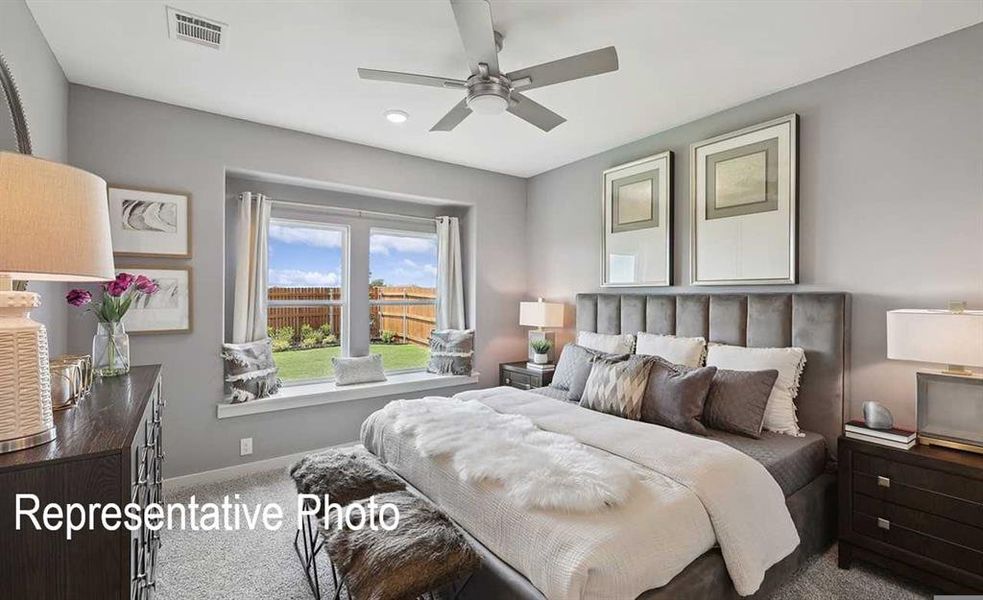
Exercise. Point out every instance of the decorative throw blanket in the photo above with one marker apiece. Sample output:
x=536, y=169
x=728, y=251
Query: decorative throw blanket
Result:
x=689, y=493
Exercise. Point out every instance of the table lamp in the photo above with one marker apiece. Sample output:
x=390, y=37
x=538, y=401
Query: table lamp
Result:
x=541, y=314
x=950, y=401
x=54, y=226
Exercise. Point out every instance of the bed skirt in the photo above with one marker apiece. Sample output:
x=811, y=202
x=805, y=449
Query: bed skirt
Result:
x=813, y=509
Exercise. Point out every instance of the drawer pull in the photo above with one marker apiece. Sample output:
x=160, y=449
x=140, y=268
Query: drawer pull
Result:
x=884, y=482
x=884, y=524
x=508, y=381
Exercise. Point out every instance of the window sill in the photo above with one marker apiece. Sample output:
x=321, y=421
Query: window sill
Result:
x=300, y=396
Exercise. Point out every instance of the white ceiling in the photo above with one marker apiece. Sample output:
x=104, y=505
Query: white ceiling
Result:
x=292, y=64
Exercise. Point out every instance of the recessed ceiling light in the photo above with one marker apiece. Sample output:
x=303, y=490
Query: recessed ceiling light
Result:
x=397, y=116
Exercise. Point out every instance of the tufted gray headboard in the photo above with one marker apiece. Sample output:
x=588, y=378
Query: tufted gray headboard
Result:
x=817, y=322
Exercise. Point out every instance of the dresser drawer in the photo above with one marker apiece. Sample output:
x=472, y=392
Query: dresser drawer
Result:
x=922, y=522
x=518, y=380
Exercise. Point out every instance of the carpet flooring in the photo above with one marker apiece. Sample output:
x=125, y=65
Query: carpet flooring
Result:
x=261, y=565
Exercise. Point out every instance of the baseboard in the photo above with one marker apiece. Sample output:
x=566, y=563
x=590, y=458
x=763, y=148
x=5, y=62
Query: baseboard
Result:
x=236, y=471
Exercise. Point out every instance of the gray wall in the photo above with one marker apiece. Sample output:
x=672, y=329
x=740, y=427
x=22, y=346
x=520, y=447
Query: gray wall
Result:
x=44, y=95
x=890, y=197
x=149, y=144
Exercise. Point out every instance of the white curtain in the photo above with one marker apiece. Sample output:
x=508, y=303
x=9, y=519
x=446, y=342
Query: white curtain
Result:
x=450, y=283
x=249, y=310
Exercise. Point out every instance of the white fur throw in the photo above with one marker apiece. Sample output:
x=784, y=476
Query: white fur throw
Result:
x=538, y=469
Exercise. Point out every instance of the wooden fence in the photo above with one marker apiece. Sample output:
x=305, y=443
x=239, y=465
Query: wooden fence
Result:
x=411, y=323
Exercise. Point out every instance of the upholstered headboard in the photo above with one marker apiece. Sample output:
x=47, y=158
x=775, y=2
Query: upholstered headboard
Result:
x=814, y=321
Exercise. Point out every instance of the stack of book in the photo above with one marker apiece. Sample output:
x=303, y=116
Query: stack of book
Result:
x=894, y=438
x=536, y=367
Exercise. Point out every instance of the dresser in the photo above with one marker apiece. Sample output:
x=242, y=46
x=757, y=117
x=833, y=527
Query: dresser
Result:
x=917, y=512
x=109, y=449
x=518, y=375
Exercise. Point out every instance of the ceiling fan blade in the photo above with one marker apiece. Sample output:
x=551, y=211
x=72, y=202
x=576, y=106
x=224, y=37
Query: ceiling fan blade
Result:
x=587, y=64
x=397, y=77
x=474, y=23
x=534, y=112
x=453, y=118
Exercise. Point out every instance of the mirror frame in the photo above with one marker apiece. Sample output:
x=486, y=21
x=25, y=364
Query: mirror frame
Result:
x=17, y=117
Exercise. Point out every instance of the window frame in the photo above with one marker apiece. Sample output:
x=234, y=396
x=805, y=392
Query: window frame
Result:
x=418, y=233
x=308, y=220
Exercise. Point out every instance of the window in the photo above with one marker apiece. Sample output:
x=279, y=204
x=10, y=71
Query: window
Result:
x=402, y=296
x=307, y=297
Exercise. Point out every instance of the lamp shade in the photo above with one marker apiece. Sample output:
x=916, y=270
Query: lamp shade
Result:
x=541, y=314
x=936, y=336
x=54, y=221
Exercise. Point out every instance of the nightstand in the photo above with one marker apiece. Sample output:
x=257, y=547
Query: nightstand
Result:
x=917, y=512
x=518, y=375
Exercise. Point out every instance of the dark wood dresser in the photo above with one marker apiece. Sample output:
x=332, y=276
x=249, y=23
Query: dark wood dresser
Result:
x=109, y=449
x=518, y=375
x=918, y=512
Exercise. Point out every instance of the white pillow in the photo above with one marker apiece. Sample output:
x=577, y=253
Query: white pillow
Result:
x=610, y=343
x=789, y=362
x=686, y=351
x=358, y=369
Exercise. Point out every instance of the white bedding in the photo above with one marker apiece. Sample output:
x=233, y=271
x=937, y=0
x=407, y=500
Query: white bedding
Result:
x=690, y=494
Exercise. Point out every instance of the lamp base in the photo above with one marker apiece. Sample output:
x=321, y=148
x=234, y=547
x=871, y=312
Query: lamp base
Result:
x=27, y=441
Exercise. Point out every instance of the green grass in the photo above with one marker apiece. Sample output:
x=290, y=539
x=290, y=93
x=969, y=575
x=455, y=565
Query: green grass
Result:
x=316, y=363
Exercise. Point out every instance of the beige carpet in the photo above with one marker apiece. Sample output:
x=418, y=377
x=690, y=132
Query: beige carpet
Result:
x=261, y=565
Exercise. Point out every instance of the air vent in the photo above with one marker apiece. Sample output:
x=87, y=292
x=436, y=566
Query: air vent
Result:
x=192, y=28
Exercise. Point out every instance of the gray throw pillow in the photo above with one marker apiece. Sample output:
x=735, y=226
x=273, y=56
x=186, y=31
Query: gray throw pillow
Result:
x=616, y=387
x=451, y=351
x=358, y=369
x=250, y=370
x=737, y=401
x=573, y=369
x=675, y=395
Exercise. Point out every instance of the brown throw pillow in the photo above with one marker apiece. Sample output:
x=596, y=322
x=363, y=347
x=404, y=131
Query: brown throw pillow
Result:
x=737, y=401
x=616, y=387
x=675, y=395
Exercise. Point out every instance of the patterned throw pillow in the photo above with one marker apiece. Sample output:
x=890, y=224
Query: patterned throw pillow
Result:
x=358, y=369
x=451, y=351
x=616, y=387
x=250, y=370
x=573, y=369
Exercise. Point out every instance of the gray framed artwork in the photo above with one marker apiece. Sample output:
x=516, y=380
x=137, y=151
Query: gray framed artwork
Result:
x=743, y=193
x=150, y=222
x=636, y=243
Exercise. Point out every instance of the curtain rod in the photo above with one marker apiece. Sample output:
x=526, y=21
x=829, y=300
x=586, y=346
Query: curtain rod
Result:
x=355, y=211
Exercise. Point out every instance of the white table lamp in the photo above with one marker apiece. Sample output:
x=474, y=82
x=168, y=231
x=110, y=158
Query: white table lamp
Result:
x=54, y=226
x=541, y=315
x=953, y=338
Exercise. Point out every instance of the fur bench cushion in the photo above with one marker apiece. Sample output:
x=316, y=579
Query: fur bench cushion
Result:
x=424, y=553
x=344, y=475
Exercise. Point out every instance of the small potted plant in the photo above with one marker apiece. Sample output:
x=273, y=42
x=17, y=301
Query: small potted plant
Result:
x=541, y=349
x=111, y=345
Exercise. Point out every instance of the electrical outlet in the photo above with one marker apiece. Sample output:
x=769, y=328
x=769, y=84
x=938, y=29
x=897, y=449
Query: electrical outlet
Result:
x=245, y=446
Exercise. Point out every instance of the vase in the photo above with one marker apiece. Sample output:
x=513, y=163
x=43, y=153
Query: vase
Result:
x=540, y=359
x=111, y=350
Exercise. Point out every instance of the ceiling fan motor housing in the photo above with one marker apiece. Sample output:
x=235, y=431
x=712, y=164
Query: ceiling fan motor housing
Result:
x=489, y=95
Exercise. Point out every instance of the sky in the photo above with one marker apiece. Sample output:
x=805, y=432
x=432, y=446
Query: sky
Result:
x=305, y=256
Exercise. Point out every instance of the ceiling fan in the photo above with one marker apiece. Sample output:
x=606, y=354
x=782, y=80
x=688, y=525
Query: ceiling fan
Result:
x=489, y=90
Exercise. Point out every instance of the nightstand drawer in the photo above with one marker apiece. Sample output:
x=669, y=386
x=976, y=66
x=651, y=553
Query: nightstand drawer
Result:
x=895, y=534
x=518, y=380
x=921, y=522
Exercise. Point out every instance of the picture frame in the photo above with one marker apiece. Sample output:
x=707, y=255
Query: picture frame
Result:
x=167, y=311
x=744, y=199
x=151, y=223
x=636, y=218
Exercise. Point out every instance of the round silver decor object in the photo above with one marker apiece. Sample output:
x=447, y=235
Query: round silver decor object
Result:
x=877, y=416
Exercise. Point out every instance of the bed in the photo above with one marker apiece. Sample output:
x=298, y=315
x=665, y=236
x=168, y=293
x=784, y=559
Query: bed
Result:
x=816, y=322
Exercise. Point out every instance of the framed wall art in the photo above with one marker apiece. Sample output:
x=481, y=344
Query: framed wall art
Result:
x=167, y=311
x=743, y=192
x=636, y=244
x=150, y=223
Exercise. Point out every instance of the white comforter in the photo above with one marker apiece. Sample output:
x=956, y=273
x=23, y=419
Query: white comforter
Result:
x=691, y=493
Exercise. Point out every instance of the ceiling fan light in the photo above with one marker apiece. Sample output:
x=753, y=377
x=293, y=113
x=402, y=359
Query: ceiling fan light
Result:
x=397, y=116
x=488, y=104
